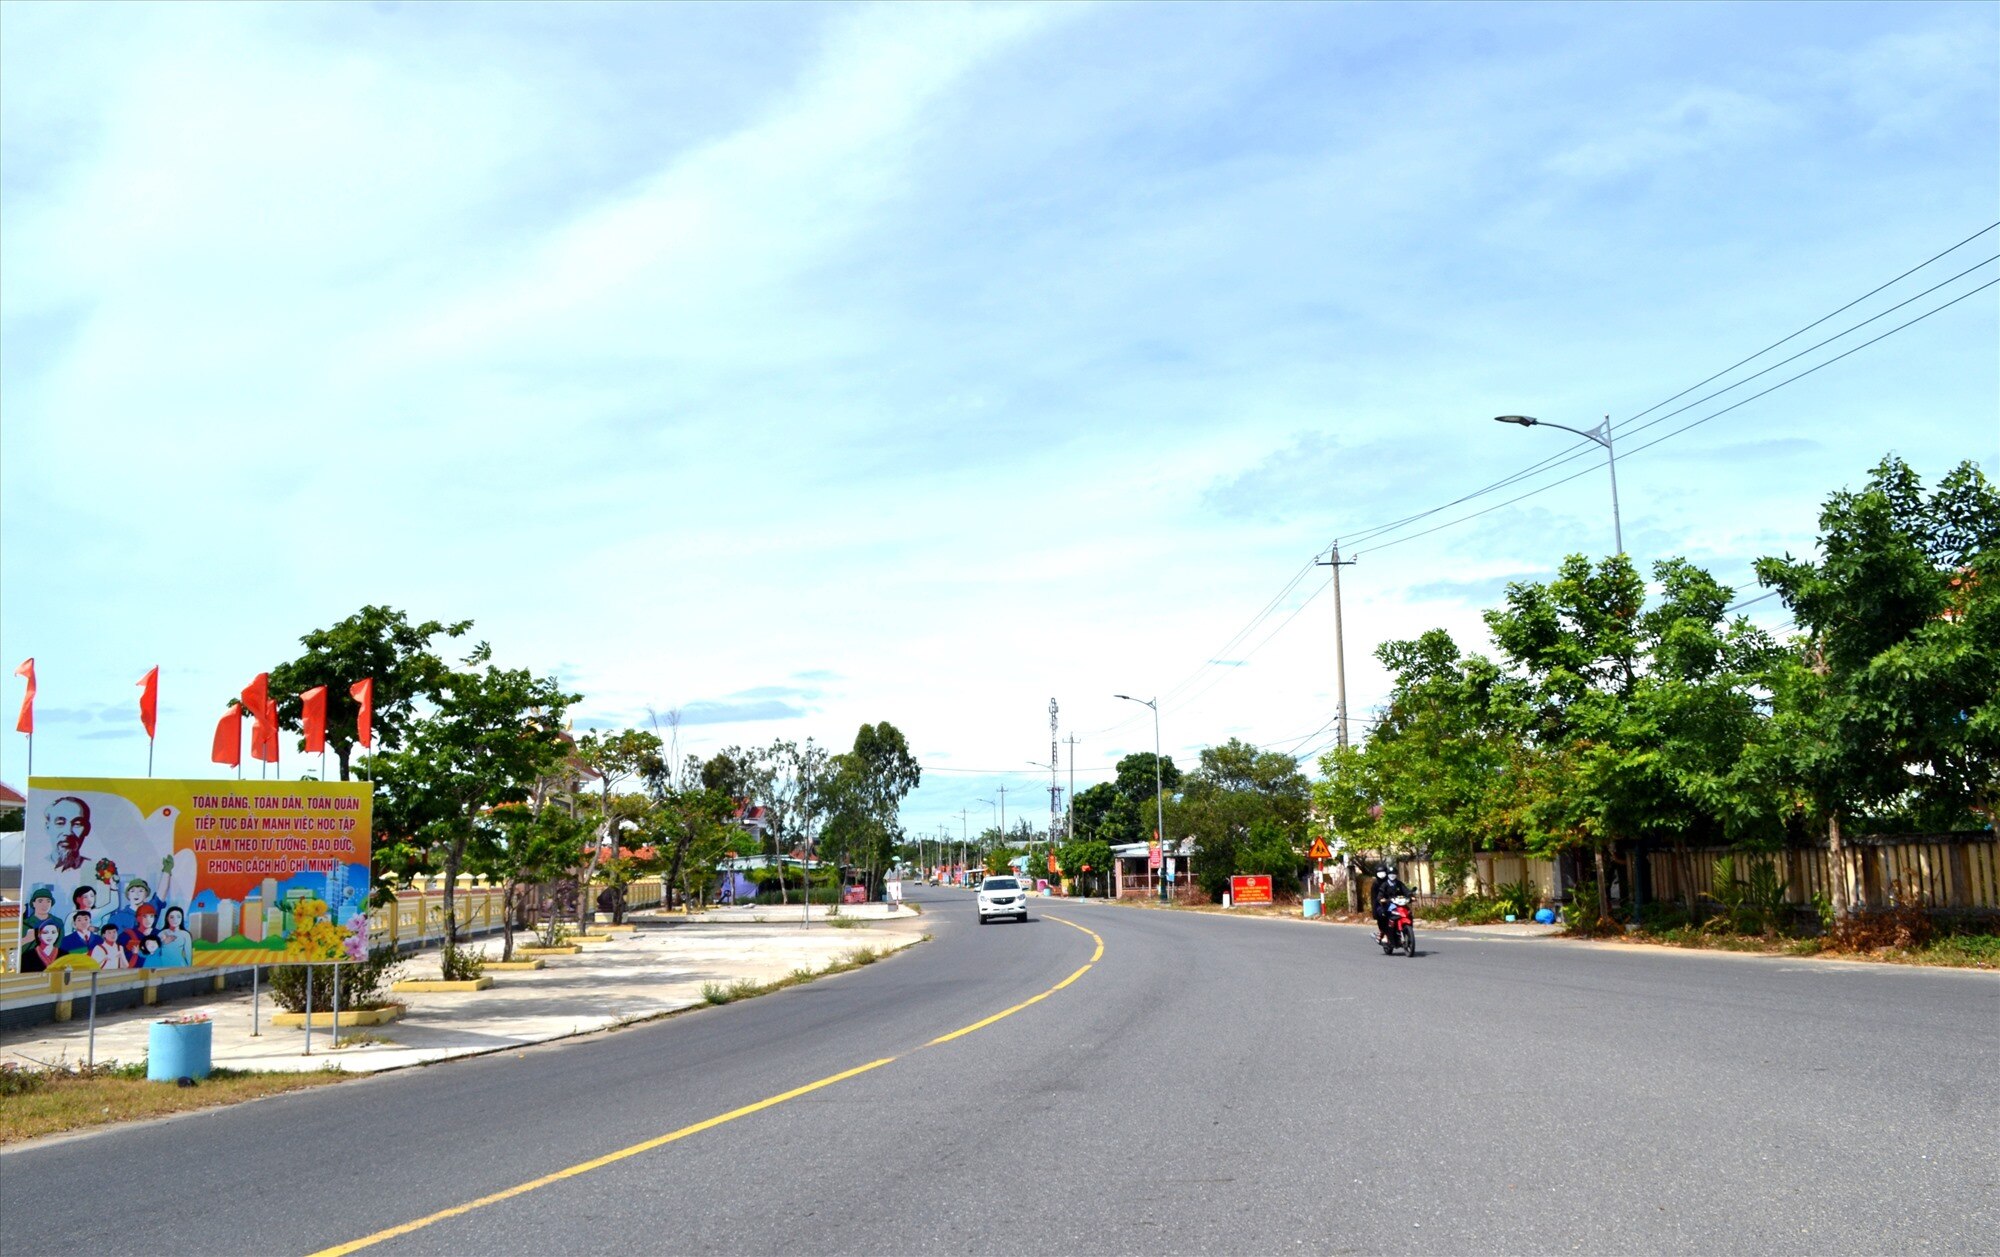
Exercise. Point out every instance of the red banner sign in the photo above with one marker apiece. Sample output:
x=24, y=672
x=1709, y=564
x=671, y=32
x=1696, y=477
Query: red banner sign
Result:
x=1250, y=890
x=1153, y=856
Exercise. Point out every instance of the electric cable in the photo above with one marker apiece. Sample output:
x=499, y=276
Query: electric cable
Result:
x=1685, y=427
x=1568, y=455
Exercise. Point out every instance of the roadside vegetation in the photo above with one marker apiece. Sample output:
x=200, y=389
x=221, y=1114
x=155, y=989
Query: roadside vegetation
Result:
x=860, y=957
x=37, y=1102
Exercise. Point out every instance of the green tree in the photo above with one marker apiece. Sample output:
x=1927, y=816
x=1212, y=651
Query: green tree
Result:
x=1235, y=790
x=492, y=736
x=377, y=642
x=519, y=847
x=1889, y=711
x=1092, y=809
x=1436, y=774
x=864, y=799
x=611, y=759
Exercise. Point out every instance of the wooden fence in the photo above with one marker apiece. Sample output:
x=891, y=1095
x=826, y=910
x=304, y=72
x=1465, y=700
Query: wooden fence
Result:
x=1935, y=871
x=1950, y=871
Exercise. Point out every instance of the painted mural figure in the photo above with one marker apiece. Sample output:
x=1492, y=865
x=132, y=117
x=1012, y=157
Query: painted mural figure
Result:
x=45, y=950
x=41, y=911
x=67, y=823
x=109, y=953
x=82, y=934
x=139, y=898
x=176, y=944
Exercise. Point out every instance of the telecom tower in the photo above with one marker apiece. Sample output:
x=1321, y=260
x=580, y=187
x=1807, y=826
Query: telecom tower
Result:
x=1055, y=791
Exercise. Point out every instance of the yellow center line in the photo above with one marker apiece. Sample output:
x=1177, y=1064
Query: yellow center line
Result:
x=595, y=1163
x=981, y=1025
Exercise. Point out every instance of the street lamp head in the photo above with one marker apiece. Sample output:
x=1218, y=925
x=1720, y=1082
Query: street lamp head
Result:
x=1526, y=421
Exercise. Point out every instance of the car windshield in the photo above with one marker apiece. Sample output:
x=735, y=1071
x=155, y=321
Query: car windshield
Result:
x=1000, y=883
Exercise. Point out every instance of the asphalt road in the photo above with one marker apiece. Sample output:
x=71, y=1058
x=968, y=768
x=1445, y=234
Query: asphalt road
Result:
x=1210, y=1085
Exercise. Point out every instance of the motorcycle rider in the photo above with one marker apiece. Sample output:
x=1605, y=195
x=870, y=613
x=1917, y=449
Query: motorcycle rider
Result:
x=1387, y=886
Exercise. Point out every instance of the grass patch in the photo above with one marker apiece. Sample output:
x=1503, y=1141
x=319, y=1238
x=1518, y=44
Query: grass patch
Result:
x=1968, y=951
x=63, y=1100
x=853, y=960
x=1957, y=951
x=847, y=923
x=715, y=993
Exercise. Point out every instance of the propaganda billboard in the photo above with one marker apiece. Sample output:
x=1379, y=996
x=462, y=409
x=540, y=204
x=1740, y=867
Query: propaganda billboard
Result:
x=136, y=873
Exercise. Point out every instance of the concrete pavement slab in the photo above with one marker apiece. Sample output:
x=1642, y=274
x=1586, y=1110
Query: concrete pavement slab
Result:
x=658, y=968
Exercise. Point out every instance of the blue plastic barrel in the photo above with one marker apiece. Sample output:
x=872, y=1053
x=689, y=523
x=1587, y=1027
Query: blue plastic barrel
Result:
x=179, y=1050
x=1312, y=907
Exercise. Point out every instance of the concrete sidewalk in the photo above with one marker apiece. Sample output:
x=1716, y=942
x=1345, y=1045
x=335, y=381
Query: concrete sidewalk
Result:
x=658, y=968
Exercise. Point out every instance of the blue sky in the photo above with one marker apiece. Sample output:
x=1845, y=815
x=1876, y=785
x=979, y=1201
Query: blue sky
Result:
x=799, y=366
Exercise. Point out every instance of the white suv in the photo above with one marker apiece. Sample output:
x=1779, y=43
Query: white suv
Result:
x=1002, y=897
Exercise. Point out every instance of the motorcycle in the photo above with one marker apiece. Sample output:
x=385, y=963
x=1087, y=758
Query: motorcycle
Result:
x=1402, y=932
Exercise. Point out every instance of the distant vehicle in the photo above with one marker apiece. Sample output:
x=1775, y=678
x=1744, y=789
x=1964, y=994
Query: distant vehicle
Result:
x=1002, y=897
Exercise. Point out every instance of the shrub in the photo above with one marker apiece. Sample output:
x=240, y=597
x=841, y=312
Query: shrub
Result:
x=1471, y=910
x=769, y=896
x=15, y=1081
x=462, y=964
x=1517, y=898
x=362, y=985
x=1580, y=915
x=1904, y=926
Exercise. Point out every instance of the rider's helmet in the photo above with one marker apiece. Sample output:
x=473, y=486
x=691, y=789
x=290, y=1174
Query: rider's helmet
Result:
x=1387, y=870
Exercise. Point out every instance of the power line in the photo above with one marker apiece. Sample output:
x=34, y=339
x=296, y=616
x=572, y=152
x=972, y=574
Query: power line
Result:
x=1751, y=601
x=1808, y=349
x=1686, y=426
x=1249, y=654
x=1566, y=456
x=1816, y=322
x=1563, y=457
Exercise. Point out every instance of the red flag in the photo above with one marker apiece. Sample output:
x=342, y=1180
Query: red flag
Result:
x=364, y=720
x=25, y=722
x=264, y=737
x=263, y=718
x=313, y=704
x=229, y=739
x=1052, y=863
x=149, y=700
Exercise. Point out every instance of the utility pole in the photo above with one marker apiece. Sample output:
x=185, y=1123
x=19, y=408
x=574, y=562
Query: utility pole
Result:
x=1055, y=791
x=1339, y=641
x=1069, y=825
x=964, y=845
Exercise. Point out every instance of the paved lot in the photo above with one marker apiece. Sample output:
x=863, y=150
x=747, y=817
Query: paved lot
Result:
x=657, y=968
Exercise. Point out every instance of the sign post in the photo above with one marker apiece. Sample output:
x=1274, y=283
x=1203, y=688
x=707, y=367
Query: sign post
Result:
x=1250, y=889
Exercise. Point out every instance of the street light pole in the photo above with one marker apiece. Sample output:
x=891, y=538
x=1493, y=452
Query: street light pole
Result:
x=1159, y=793
x=964, y=846
x=1600, y=434
x=992, y=804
